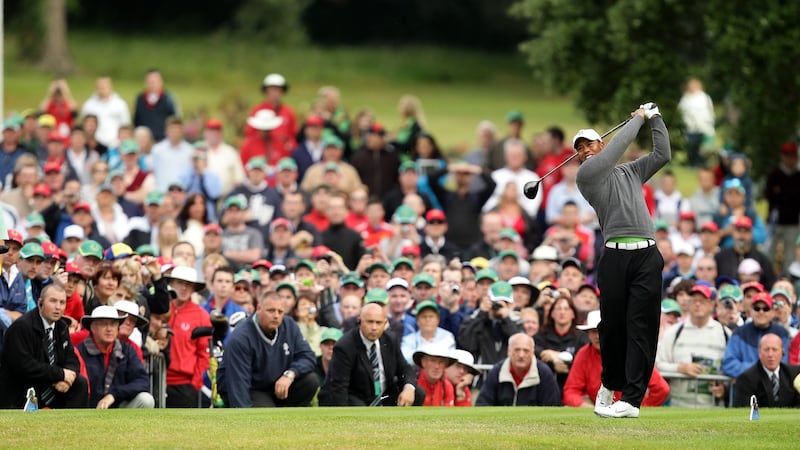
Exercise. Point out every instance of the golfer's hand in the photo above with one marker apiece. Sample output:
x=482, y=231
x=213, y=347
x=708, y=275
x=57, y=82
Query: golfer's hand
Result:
x=690, y=369
x=106, y=402
x=639, y=112
x=406, y=398
x=282, y=388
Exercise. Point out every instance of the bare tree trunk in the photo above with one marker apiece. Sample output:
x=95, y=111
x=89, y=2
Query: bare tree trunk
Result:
x=56, y=56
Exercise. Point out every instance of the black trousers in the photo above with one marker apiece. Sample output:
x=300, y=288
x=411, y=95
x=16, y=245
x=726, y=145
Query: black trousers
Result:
x=76, y=397
x=301, y=392
x=182, y=396
x=630, y=306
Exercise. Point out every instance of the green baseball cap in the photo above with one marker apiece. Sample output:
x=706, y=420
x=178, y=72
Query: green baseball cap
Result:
x=287, y=164
x=305, y=263
x=379, y=265
x=515, y=116
x=732, y=292
x=780, y=291
x=114, y=174
x=400, y=261
x=661, y=225
x=146, y=249
x=288, y=285
x=404, y=214
x=423, y=277
x=486, y=274
x=200, y=145
x=154, y=198
x=407, y=165
x=330, y=334
x=34, y=219
x=377, y=295
x=91, y=248
x=256, y=163
x=669, y=305
x=427, y=304
x=128, y=146
x=331, y=166
x=332, y=141
x=509, y=233
x=508, y=253
x=30, y=250
x=237, y=200
x=501, y=290
x=352, y=278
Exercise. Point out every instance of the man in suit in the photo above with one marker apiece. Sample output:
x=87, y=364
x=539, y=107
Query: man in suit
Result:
x=368, y=368
x=29, y=360
x=769, y=379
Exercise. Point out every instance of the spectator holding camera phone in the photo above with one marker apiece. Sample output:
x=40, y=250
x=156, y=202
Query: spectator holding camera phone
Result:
x=485, y=333
x=559, y=339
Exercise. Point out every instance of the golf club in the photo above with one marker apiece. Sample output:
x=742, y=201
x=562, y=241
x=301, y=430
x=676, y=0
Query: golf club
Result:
x=532, y=187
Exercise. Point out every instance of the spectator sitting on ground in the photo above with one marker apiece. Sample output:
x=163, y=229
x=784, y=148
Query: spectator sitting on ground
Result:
x=520, y=379
x=328, y=340
x=770, y=379
x=428, y=333
x=433, y=360
x=584, y=381
x=559, y=339
x=461, y=374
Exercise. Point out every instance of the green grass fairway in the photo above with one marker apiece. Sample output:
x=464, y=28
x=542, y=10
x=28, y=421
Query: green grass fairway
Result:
x=664, y=428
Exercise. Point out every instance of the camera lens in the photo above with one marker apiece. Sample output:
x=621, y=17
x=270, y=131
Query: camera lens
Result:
x=496, y=306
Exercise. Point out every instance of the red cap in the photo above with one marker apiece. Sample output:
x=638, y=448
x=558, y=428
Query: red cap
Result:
x=56, y=136
x=763, y=297
x=262, y=263
x=753, y=285
x=410, y=250
x=281, y=222
x=42, y=189
x=72, y=269
x=52, y=166
x=314, y=121
x=320, y=251
x=687, y=215
x=166, y=263
x=743, y=222
x=703, y=290
x=789, y=148
x=435, y=214
x=377, y=128
x=212, y=227
x=213, y=124
x=709, y=226
x=62, y=254
x=50, y=249
x=82, y=206
x=14, y=235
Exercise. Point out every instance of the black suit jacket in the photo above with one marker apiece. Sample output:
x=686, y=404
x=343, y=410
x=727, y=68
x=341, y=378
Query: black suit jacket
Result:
x=25, y=363
x=754, y=381
x=349, y=380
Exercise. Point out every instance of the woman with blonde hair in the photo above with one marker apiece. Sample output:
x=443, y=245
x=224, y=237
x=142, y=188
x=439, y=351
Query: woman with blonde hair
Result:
x=168, y=235
x=410, y=109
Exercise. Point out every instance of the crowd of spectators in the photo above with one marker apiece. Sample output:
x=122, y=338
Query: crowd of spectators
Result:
x=340, y=263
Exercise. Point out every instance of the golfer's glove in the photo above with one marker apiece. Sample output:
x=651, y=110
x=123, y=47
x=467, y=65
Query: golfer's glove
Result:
x=650, y=110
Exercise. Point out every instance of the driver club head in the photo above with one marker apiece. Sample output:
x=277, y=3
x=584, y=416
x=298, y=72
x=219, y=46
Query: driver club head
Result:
x=531, y=189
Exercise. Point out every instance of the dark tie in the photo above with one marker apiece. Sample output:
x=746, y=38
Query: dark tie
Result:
x=49, y=393
x=775, y=387
x=376, y=368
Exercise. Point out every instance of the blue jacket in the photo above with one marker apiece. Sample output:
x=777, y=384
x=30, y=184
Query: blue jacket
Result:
x=538, y=388
x=251, y=363
x=128, y=377
x=742, y=350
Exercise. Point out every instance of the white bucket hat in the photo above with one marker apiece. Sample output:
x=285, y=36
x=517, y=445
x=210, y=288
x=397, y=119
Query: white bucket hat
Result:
x=265, y=120
x=187, y=274
x=103, y=312
x=466, y=359
x=436, y=350
x=132, y=309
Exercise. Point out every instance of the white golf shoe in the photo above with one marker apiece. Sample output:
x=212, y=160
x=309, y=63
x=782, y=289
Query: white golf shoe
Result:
x=605, y=397
x=618, y=410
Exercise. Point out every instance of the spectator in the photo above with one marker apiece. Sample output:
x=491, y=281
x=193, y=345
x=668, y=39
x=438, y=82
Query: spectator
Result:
x=669, y=200
x=461, y=375
x=154, y=105
x=197, y=179
x=342, y=240
x=433, y=360
x=221, y=289
x=310, y=150
x=189, y=357
x=410, y=109
x=264, y=201
x=60, y=104
x=111, y=112
x=559, y=339
x=169, y=154
x=514, y=171
x=486, y=133
x=241, y=244
x=742, y=350
x=328, y=340
x=555, y=153
x=357, y=203
x=144, y=230
x=375, y=229
x=583, y=381
x=11, y=151
x=108, y=216
x=117, y=378
x=728, y=259
x=705, y=200
x=368, y=368
x=697, y=112
x=37, y=353
x=520, y=379
x=706, y=269
x=404, y=232
x=485, y=333
x=782, y=191
x=571, y=275
x=732, y=209
x=376, y=164
x=491, y=224
x=686, y=231
x=738, y=166
x=544, y=264
x=586, y=299
x=729, y=301
x=435, y=241
x=332, y=152
x=783, y=303
x=709, y=241
x=429, y=332
x=267, y=363
x=408, y=183
x=274, y=87
x=770, y=379
x=682, y=268
x=13, y=301
x=19, y=193
x=496, y=157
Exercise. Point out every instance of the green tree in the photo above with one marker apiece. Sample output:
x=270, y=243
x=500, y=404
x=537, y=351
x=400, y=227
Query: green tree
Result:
x=273, y=21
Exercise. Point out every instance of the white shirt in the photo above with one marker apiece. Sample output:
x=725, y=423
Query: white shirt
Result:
x=111, y=114
x=225, y=162
x=167, y=160
x=504, y=176
x=697, y=111
x=368, y=344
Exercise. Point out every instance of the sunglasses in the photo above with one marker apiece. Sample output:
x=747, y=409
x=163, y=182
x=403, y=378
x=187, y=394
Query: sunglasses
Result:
x=761, y=308
x=436, y=222
x=240, y=288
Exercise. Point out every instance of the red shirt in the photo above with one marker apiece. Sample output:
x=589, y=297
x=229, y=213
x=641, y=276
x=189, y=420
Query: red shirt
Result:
x=285, y=133
x=373, y=236
x=548, y=163
x=353, y=220
x=74, y=306
x=62, y=113
x=189, y=356
x=584, y=380
x=466, y=401
x=439, y=394
x=269, y=149
x=317, y=219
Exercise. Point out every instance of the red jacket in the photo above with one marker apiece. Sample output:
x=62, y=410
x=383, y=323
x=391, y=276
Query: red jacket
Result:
x=74, y=307
x=584, y=380
x=794, y=351
x=318, y=219
x=189, y=358
x=286, y=132
x=440, y=394
x=270, y=150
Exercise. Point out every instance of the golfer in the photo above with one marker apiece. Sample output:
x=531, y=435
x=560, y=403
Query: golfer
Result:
x=629, y=270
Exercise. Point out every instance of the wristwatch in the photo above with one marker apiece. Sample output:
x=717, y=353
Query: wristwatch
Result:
x=289, y=374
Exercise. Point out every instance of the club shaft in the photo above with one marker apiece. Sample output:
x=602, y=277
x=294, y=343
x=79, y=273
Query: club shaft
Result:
x=616, y=127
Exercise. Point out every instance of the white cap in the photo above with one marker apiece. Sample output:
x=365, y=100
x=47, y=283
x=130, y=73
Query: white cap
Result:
x=274, y=79
x=74, y=231
x=684, y=248
x=586, y=133
x=395, y=282
x=519, y=281
x=749, y=266
x=545, y=253
x=592, y=321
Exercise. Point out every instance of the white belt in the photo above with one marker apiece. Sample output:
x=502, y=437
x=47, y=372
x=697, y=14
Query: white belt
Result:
x=631, y=245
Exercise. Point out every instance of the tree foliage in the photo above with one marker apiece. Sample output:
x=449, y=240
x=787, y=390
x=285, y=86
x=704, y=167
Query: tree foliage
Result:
x=613, y=54
x=276, y=21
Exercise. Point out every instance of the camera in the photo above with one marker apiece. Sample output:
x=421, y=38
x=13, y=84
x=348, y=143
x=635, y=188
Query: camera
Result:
x=455, y=288
x=554, y=294
x=727, y=303
x=312, y=310
x=496, y=306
